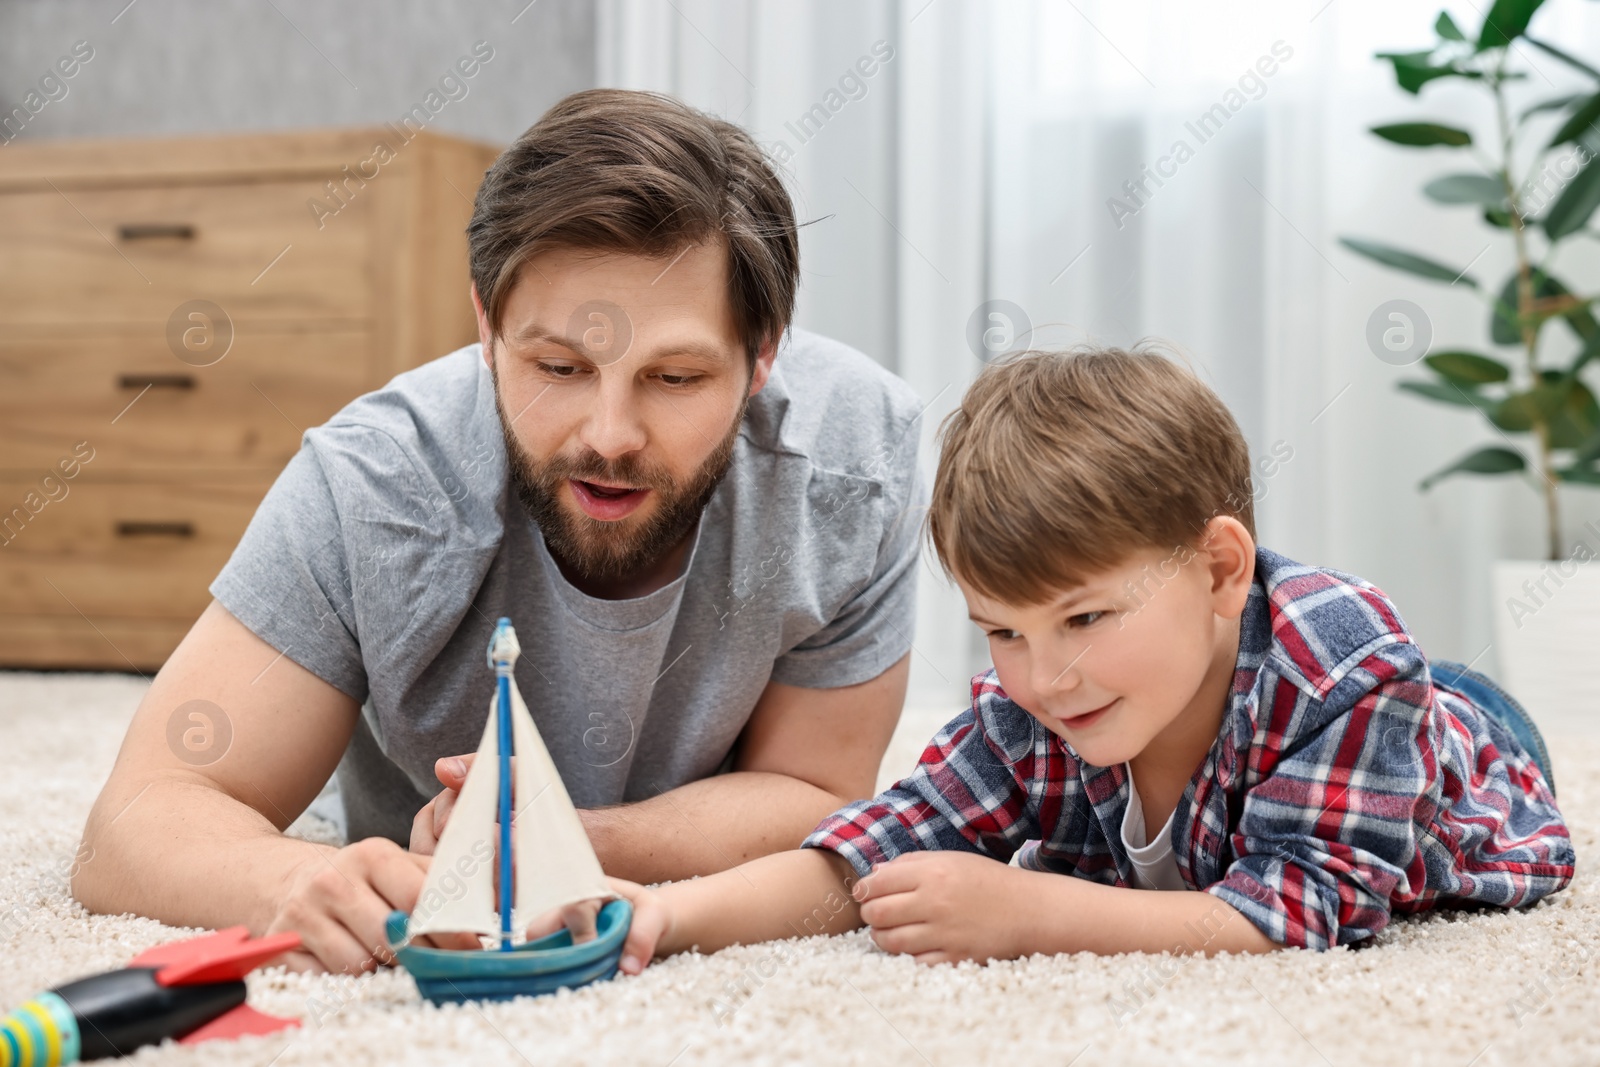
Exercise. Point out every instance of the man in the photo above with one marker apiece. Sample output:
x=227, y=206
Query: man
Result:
x=702, y=524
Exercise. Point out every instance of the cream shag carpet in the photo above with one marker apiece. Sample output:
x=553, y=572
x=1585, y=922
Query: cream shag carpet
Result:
x=1481, y=989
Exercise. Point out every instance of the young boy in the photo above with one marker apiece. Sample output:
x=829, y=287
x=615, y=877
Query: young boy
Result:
x=1190, y=743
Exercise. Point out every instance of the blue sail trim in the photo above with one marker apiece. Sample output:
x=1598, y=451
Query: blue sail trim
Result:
x=507, y=893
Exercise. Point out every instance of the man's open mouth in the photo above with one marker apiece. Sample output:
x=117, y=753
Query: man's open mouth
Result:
x=608, y=503
x=609, y=492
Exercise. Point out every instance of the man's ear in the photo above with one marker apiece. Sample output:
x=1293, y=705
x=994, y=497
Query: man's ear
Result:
x=1230, y=554
x=763, y=365
x=484, y=333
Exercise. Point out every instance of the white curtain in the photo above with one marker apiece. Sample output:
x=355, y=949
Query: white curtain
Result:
x=1001, y=155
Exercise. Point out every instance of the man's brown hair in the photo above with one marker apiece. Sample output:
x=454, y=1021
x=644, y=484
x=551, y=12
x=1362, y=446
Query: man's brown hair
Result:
x=1060, y=464
x=616, y=170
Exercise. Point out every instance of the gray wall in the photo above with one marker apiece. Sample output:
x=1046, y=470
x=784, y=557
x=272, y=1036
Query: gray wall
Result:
x=209, y=66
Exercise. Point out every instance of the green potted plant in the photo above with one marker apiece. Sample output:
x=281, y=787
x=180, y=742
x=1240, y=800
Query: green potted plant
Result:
x=1535, y=182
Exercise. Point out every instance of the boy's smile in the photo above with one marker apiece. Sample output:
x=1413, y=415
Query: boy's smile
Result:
x=1086, y=719
x=1135, y=663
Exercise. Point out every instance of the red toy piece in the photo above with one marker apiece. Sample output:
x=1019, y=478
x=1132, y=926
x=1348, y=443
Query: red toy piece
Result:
x=242, y=1021
x=220, y=957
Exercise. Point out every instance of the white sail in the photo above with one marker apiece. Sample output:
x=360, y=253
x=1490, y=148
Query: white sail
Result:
x=556, y=864
x=458, y=893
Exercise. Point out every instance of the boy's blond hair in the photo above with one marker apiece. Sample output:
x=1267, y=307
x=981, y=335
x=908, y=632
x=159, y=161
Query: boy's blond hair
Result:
x=1060, y=464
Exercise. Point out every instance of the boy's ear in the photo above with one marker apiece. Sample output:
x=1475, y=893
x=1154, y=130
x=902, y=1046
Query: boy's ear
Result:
x=1230, y=554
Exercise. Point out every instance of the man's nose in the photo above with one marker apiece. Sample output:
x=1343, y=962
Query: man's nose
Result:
x=613, y=427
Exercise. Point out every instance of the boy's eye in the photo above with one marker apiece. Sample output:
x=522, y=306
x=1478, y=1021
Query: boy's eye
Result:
x=1002, y=635
x=1087, y=618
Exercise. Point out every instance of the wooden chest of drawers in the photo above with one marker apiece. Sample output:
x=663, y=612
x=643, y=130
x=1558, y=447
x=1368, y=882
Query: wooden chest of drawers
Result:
x=174, y=313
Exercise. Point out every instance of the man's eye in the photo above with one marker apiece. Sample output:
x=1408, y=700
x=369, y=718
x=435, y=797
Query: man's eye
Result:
x=678, y=380
x=1087, y=618
x=557, y=370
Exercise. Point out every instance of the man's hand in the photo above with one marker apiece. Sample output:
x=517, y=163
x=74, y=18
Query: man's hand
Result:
x=428, y=826
x=939, y=907
x=338, y=901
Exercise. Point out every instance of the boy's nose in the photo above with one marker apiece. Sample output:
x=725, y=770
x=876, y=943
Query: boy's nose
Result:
x=1058, y=674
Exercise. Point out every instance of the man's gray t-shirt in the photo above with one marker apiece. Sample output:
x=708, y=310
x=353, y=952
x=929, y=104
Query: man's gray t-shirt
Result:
x=392, y=541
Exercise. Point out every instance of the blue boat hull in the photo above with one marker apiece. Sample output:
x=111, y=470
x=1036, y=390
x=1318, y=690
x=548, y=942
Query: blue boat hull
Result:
x=447, y=976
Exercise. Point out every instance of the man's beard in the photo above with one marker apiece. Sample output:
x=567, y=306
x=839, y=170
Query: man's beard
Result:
x=604, y=551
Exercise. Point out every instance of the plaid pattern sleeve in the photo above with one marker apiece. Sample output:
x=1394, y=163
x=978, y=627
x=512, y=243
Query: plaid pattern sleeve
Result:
x=977, y=788
x=1372, y=790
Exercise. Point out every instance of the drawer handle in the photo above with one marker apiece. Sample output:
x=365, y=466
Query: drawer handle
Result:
x=140, y=231
x=155, y=529
x=159, y=381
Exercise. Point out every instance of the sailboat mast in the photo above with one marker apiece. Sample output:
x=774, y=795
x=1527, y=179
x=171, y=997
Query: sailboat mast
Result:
x=503, y=659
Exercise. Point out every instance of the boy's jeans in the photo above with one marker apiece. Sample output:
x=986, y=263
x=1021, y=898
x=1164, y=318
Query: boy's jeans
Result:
x=1483, y=692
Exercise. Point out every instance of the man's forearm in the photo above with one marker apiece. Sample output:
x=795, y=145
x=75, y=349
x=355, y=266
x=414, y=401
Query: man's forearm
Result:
x=705, y=826
x=186, y=854
x=1076, y=915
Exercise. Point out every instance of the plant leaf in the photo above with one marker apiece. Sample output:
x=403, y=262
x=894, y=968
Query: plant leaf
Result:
x=1555, y=103
x=1583, y=324
x=1576, y=420
x=1506, y=20
x=1423, y=134
x=1468, y=368
x=1504, y=316
x=1466, y=189
x=1578, y=123
x=1446, y=27
x=1588, y=451
x=1501, y=218
x=1569, y=407
x=1448, y=394
x=1406, y=261
x=1580, y=475
x=1504, y=328
x=1576, y=203
x=1566, y=57
x=1591, y=349
x=1516, y=413
x=1493, y=460
x=1413, y=70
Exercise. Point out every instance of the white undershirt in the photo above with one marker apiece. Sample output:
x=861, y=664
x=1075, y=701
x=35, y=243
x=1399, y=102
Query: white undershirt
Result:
x=1154, y=865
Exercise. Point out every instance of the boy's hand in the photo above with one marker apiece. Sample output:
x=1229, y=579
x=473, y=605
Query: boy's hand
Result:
x=652, y=923
x=580, y=918
x=939, y=907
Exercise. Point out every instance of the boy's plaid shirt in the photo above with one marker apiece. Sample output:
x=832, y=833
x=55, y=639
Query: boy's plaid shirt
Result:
x=1346, y=782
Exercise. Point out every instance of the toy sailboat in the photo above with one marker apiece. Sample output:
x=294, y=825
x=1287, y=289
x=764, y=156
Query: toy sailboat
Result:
x=543, y=858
